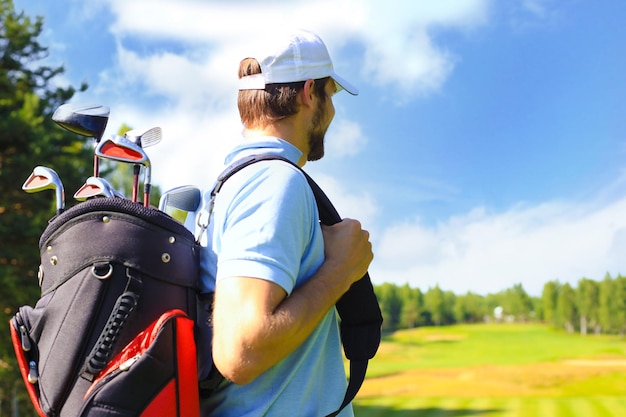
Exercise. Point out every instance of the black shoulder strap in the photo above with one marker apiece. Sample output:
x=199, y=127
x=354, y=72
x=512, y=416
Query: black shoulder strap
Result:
x=361, y=318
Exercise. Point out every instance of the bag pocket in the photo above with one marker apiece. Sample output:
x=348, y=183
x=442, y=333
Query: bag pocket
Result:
x=26, y=357
x=59, y=329
x=154, y=375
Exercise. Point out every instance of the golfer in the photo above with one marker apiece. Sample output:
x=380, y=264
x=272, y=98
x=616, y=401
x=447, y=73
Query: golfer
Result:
x=276, y=272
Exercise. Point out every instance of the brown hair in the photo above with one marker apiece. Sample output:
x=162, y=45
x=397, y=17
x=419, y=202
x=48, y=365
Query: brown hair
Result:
x=258, y=108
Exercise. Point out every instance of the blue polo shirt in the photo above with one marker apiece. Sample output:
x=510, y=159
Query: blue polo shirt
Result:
x=265, y=225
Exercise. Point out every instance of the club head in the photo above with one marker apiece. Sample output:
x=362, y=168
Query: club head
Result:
x=186, y=197
x=44, y=178
x=120, y=149
x=90, y=121
x=144, y=138
x=96, y=187
x=180, y=201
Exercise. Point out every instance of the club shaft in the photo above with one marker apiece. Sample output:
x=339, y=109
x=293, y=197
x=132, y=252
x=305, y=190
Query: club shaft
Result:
x=60, y=197
x=136, y=169
x=96, y=166
x=146, y=195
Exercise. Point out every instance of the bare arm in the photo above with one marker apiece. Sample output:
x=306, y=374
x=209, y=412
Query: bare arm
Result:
x=256, y=325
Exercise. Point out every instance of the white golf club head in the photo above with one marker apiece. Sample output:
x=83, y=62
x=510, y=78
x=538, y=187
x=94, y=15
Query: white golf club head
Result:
x=44, y=178
x=144, y=138
x=96, y=187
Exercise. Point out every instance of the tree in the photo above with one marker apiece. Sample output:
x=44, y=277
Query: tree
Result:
x=588, y=302
x=608, y=308
x=619, y=300
x=412, y=306
x=549, y=298
x=518, y=303
x=28, y=138
x=434, y=302
x=469, y=308
x=566, y=307
x=390, y=305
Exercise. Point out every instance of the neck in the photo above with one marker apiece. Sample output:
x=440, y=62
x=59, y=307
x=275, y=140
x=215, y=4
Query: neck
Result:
x=286, y=130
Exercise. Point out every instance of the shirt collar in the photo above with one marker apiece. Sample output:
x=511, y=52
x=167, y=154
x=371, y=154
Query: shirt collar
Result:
x=262, y=145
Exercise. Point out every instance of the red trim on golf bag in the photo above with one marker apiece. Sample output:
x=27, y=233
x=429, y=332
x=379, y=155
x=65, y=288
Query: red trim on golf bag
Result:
x=22, y=362
x=156, y=371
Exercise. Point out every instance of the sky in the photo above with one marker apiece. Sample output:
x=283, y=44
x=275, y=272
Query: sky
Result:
x=487, y=146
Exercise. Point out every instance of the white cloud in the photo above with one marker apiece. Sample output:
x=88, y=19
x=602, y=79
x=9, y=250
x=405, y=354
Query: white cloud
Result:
x=194, y=143
x=181, y=80
x=489, y=252
x=398, y=46
x=361, y=206
x=526, y=15
x=345, y=138
x=189, y=89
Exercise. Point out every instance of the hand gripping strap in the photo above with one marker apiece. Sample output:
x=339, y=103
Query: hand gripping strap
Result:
x=361, y=318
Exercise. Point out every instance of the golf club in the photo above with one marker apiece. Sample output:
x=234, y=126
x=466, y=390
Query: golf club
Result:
x=143, y=138
x=118, y=148
x=89, y=121
x=96, y=187
x=44, y=178
x=180, y=201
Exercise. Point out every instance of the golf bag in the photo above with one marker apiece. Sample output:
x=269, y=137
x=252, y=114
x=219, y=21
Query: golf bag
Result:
x=113, y=331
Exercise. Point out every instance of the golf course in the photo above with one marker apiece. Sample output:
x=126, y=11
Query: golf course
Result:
x=495, y=370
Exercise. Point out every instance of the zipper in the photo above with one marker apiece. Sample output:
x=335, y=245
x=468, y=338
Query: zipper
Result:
x=33, y=374
x=25, y=341
x=125, y=366
x=102, y=382
x=26, y=345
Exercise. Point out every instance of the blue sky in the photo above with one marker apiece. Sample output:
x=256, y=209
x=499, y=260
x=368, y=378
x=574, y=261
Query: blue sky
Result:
x=487, y=146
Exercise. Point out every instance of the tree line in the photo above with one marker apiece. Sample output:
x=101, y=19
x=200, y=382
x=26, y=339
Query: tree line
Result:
x=28, y=138
x=589, y=307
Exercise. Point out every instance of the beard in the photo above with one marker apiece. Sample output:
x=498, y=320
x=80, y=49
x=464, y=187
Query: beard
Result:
x=317, y=134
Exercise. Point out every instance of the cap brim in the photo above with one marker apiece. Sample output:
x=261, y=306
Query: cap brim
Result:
x=344, y=84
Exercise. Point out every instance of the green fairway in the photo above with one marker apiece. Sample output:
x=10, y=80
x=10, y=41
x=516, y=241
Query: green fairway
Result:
x=496, y=370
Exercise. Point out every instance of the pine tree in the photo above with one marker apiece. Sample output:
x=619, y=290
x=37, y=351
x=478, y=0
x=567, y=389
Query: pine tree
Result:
x=28, y=138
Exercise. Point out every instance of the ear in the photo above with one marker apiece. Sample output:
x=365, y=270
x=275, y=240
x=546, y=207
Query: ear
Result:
x=307, y=93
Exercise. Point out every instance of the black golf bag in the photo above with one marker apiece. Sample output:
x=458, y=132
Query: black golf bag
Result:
x=113, y=331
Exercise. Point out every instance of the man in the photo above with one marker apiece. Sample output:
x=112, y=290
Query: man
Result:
x=276, y=272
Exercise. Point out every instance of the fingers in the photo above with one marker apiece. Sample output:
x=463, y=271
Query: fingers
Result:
x=347, y=245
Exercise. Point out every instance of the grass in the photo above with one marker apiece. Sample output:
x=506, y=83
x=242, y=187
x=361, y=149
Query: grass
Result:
x=495, y=370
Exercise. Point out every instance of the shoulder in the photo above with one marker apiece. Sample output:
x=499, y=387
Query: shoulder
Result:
x=273, y=179
x=265, y=190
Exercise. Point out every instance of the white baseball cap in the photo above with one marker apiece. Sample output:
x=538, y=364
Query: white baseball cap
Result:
x=298, y=56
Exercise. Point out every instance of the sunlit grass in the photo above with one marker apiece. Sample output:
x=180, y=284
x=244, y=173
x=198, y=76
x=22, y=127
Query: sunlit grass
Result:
x=496, y=370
